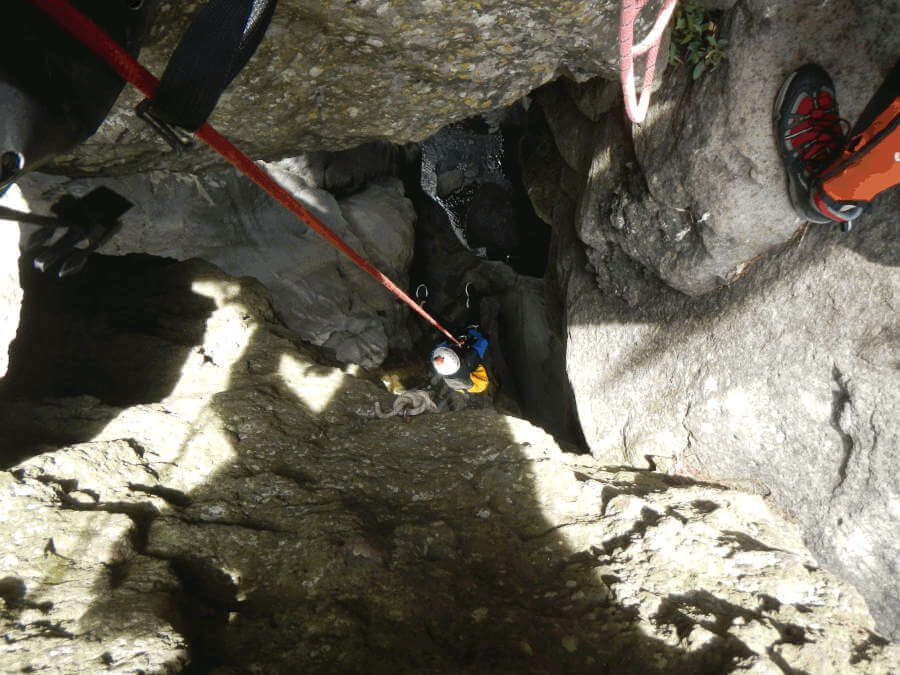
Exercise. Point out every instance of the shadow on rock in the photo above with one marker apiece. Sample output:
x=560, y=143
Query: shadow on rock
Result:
x=120, y=332
x=276, y=524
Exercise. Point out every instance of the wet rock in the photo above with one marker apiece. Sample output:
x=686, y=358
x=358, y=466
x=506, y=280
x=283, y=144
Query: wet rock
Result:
x=472, y=171
x=472, y=155
x=449, y=182
x=491, y=220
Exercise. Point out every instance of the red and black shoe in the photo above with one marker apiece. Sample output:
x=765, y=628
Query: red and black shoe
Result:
x=810, y=134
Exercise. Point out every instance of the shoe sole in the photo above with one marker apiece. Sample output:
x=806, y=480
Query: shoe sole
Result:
x=781, y=94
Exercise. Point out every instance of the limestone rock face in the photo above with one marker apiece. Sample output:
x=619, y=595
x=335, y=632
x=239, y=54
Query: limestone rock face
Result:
x=786, y=378
x=257, y=517
x=332, y=74
x=536, y=358
x=224, y=218
x=785, y=381
x=699, y=189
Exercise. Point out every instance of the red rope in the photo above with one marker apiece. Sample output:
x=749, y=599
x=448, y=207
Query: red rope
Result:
x=127, y=67
x=637, y=111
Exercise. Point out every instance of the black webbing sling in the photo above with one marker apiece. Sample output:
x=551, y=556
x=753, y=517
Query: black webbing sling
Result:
x=213, y=50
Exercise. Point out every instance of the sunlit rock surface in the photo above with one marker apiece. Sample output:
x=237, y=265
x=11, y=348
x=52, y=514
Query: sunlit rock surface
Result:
x=10, y=291
x=255, y=516
x=785, y=381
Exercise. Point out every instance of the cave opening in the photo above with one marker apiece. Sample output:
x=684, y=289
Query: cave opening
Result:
x=472, y=170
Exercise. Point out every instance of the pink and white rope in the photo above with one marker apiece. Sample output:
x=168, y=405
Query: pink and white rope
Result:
x=637, y=110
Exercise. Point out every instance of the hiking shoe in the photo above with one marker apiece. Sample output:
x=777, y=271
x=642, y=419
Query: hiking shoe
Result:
x=809, y=132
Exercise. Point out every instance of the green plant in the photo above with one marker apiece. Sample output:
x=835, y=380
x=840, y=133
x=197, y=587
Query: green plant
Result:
x=695, y=40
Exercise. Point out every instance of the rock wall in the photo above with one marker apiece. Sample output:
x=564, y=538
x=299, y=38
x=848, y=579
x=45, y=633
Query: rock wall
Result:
x=332, y=74
x=255, y=516
x=223, y=218
x=236, y=473
x=784, y=381
x=698, y=190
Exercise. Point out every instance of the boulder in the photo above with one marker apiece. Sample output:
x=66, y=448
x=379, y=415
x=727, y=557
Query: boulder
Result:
x=449, y=182
x=331, y=75
x=259, y=517
x=783, y=382
x=766, y=381
x=224, y=218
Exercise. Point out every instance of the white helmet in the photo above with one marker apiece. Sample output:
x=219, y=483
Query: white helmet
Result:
x=445, y=361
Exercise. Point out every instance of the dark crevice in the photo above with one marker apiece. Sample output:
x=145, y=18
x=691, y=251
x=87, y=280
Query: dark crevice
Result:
x=768, y=603
x=779, y=661
x=840, y=400
x=207, y=597
x=649, y=518
x=673, y=513
x=117, y=571
x=202, y=579
x=739, y=541
x=704, y=505
x=52, y=629
x=302, y=479
x=861, y=651
x=63, y=485
x=791, y=633
x=551, y=530
x=487, y=215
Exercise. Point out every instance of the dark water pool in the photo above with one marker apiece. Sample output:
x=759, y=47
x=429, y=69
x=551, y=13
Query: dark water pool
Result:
x=471, y=169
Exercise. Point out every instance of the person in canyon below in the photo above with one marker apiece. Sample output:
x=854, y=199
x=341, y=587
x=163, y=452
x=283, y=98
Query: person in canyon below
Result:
x=461, y=367
x=833, y=175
